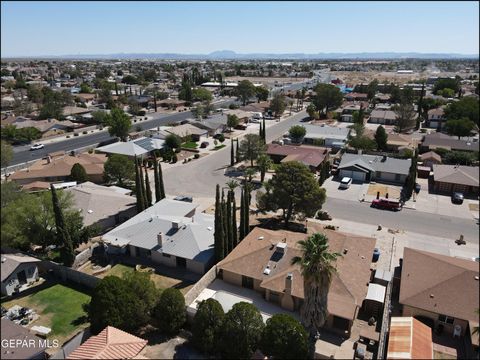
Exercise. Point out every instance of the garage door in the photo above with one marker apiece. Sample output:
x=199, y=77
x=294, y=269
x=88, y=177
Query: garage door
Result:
x=346, y=173
x=358, y=176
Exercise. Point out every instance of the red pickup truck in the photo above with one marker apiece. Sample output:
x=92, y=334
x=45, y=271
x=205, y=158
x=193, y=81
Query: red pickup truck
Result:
x=386, y=204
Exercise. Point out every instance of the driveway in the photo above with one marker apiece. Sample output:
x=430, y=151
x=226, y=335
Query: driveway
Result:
x=355, y=192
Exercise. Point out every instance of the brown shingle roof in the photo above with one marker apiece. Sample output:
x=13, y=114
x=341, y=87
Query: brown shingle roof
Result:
x=440, y=284
x=456, y=174
x=308, y=155
x=349, y=284
x=111, y=343
x=431, y=155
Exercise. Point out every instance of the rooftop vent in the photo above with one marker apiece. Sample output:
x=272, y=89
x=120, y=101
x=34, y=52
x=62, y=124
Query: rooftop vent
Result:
x=432, y=296
x=267, y=270
x=345, y=251
x=209, y=228
x=261, y=237
x=476, y=277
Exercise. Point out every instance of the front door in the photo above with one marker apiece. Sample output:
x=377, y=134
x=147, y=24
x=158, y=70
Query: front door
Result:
x=22, y=277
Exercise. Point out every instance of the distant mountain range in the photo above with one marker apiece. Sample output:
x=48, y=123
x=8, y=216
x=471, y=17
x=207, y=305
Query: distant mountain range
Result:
x=232, y=55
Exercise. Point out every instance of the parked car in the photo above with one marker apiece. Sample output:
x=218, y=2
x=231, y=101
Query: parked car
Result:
x=457, y=198
x=37, y=147
x=386, y=204
x=345, y=183
x=184, y=198
x=204, y=144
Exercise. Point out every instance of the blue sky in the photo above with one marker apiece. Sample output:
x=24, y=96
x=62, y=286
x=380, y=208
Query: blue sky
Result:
x=60, y=28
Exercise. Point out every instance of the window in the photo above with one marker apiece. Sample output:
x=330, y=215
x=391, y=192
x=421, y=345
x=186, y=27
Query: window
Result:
x=247, y=282
x=445, y=319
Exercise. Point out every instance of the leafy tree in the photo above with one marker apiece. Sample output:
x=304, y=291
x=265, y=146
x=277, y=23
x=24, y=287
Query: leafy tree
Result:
x=201, y=94
x=85, y=88
x=317, y=268
x=100, y=117
x=261, y=93
x=264, y=163
x=284, y=338
x=362, y=143
x=170, y=311
x=232, y=121
x=327, y=97
x=245, y=90
x=53, y=103
x=241, y=331
x=67, y=251
x=6, y=153
x=460, y=157
x=206, y=325
x=185, y=92
x=381, y=138
x=26, y=134
x=140, y=284
x=130, y=80
x=405, y=117
x=324, y=172
x=466, y=107
x=297, y=133
x=251, y=147
x=442, y=84
x=460, y=127
x=116, y=304
x=78, y=173
x=372, y=89
x=294, y=191
x=278, y=104
x=446, y=93
x=119, y=169
x=173, y=141
x=312, y=111
x=119, y=124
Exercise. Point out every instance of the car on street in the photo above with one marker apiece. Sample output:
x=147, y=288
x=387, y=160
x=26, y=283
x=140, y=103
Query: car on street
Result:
x=345, y=183
x=457, y=198
x=36, y=147
x=386, y=204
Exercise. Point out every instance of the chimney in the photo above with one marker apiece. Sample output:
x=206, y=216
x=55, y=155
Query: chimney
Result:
x=288, y=284
x=159, y=238
x=175, y=225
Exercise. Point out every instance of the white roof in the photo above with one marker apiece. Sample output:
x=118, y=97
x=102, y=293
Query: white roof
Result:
x=376, y=292
x=135, y=147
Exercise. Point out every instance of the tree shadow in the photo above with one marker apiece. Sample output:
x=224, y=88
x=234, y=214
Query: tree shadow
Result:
x=80, y=320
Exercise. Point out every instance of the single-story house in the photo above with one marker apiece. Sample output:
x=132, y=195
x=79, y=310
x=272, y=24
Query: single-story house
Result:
x=262, y=262
x=439, y=140
x=138, y=147
x=384, y=117
x=185, y=130
x=441, y=288
x=243, y=116
x=356, y=96
x=436, y=118
x=19, y=343
x=56, y=167
x=171, y=103
x=399, y=142
x=75, y=111
x=84, y=98
x=47, y=127
x=332, y=137
x=347, y=110
x=455, y=178
x=409, y=339
x=102, y=205
x=110, y=343
x=367, y=168
x=18, y=271
x=430, y=158
x=214, y=124
x=311, y=156
x=169, y=233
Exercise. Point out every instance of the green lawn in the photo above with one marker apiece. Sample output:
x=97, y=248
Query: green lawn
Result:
x=190, y=145
x=59, y=307
x=218, y=147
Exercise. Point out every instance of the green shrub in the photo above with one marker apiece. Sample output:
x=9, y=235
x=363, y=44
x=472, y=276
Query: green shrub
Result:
x=76, y=134
x=196, y=156
x=170, y=311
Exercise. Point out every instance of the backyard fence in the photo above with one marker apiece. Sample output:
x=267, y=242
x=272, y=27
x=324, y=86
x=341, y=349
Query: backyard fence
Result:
x=201, y=284
x=68, y=274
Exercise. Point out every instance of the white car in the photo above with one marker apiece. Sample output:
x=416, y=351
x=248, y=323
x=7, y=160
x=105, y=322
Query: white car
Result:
x=37, y=147
x=345, y=183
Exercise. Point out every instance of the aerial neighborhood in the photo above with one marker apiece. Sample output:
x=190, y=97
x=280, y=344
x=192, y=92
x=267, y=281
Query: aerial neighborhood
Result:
x=243, y=206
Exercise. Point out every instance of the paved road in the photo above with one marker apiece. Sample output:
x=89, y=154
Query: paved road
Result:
x=22, y=153
x=199, y=177
x=406, y=219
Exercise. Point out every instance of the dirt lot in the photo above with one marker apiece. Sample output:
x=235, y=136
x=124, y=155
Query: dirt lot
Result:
x=393, y=192
x=266, y=80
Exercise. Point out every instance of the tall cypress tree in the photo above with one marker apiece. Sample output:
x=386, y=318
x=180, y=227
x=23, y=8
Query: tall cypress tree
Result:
x=147, y=189
x=237, y=152
x=67, y=251
x=242, y=218
x=160, y=181
x=218, y=235
x=234, y=222
x=225, y=225
x=142, y=182
x=260, y=132
x=264, y=132
x=229, y=223
x=232, y=154
x=246, y=211
x=157, y=183
x=138, y=189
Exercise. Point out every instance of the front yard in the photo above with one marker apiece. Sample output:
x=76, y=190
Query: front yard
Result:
x=59, y=307
x=190, y=145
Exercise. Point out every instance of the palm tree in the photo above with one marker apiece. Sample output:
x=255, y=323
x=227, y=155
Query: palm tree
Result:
x=232, y=185
x=317, y=268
